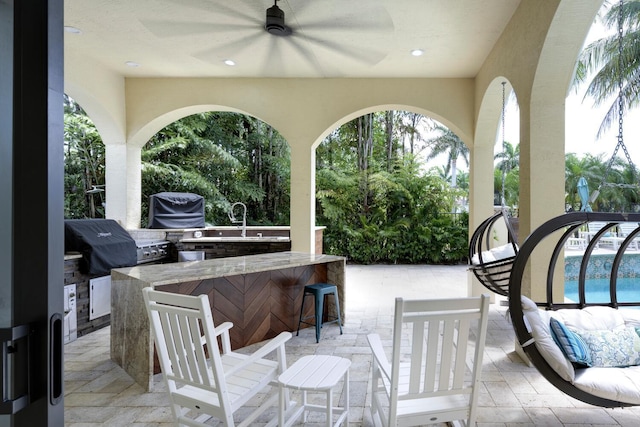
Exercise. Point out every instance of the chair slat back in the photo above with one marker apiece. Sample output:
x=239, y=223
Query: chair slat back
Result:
x=596, y=226
x=183, y=332
x=432, y=337
x=182, y=336
x=626, y=228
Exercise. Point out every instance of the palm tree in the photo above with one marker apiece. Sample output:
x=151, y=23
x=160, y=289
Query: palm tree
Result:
x=448, y=143
x=508, y=160
x=612, y=64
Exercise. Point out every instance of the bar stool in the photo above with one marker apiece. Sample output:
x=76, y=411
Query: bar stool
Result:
x=319, y=291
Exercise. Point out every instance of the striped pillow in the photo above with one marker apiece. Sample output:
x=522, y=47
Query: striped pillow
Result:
x=572, y=345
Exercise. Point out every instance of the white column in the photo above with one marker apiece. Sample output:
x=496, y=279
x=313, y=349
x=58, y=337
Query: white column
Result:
x=303, y=191
x=123, y=184
x=480, y=202
x=542, y=167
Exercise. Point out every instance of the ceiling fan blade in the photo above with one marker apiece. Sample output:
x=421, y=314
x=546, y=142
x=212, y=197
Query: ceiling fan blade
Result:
x=178, y=29
x=307, y=55
x=217, y=7
x=356, y=27
x=346, y=17
x=273, y=62
x=229, y=50
x=367, y=56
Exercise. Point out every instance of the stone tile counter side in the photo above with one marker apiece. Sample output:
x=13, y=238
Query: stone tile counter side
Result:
x=260, y=294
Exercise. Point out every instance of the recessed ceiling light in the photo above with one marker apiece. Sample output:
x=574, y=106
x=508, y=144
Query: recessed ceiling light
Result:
x=229, y=62
x=72, y=30
x=132, y=64
x=417, y=52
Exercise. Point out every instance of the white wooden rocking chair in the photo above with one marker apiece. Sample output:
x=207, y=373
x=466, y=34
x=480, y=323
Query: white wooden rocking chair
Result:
x=434, y=373
x=203, y=383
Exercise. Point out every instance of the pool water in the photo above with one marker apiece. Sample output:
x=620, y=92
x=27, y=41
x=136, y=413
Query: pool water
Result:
x=597, y=290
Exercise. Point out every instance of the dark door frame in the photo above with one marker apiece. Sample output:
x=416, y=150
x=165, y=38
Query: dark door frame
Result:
x=31, y=209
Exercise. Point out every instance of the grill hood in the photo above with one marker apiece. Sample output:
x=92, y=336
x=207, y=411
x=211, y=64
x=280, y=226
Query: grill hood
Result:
x=103, y=243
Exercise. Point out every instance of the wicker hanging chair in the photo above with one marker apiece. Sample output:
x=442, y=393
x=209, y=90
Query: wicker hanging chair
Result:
x=493, y=271
x=558, y=230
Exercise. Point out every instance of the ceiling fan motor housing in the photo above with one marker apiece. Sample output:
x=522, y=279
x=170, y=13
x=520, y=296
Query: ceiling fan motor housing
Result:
x=275, y=22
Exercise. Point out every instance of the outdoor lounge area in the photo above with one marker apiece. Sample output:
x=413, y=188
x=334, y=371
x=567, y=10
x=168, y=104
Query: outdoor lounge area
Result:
x=99, y=393
x=135, y=69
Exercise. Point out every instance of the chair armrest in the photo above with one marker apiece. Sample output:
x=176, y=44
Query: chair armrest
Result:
x=270, y=346
x=223, y=328
x=379, y=355
x=220, y=330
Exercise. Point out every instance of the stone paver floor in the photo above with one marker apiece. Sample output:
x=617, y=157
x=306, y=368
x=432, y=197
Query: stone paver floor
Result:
x=99, y=393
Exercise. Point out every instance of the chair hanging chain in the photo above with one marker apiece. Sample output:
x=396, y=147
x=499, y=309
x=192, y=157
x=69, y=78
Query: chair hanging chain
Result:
x=620, y=142
x=502, y=195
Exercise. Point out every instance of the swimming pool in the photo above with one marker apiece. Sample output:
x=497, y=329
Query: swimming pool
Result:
x=598, y=273
x=597, y=290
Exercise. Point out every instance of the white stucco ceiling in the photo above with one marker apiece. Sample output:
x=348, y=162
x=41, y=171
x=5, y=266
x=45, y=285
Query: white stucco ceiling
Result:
x=331, y=38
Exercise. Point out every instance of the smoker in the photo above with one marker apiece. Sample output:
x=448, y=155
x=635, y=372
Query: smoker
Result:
x=176, y=210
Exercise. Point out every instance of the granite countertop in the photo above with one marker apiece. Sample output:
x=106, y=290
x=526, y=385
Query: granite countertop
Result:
x=72, y=255
x=237, y=239
x=165, y=274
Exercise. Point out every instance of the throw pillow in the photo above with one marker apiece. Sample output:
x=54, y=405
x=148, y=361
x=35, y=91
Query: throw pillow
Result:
x=504, y=251
x=618, y=347
x=571, y=344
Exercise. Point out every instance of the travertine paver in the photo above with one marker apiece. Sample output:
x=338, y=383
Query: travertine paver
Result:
x=99, y=393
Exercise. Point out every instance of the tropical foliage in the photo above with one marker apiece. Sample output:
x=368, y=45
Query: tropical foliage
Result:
x=508, y=168
x=84, y=164
x=617, y=186
x=224, y=157
x=376, y=201
x=606, y=64
x=610, y=68
x=447, y=142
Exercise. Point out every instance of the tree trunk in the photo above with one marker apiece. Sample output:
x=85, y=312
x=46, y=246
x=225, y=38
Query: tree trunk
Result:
x=454, y=173
x=365, y=151
x=389, y=133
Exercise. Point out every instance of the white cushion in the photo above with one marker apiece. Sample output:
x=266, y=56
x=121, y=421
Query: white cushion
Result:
x=619, y=384
x=630, y=316
x=502, y=252
x=590, y=318
x=538, y=322
x=487, y=256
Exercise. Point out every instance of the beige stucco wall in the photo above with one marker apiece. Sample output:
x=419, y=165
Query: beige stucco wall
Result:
x=535, y=55
x=302, y=110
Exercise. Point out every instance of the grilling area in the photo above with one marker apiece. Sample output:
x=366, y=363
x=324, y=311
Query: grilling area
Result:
x=93, y=247
x=177, y=232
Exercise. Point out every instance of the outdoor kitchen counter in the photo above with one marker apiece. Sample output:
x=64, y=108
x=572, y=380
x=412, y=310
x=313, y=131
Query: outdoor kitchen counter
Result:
x=260, y=294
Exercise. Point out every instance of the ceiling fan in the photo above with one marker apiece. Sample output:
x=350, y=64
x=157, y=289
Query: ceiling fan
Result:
x=275, y=21
x=311, y=31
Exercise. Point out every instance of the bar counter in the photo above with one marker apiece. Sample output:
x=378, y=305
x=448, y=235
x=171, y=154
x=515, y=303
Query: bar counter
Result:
x=260, y=294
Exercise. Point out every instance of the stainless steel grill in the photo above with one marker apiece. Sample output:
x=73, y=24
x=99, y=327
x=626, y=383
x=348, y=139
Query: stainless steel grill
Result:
x=152, y=250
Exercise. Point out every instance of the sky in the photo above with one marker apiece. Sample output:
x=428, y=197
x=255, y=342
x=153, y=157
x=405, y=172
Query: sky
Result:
x=582, y=120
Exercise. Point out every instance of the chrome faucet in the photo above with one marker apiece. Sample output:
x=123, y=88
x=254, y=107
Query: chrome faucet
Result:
x=233, y=219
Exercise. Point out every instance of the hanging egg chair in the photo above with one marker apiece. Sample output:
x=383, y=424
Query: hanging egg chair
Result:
x=565, y=339
x=492, y=265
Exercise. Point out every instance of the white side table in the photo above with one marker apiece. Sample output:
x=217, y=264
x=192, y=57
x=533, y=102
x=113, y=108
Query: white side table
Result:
x=315, y=374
